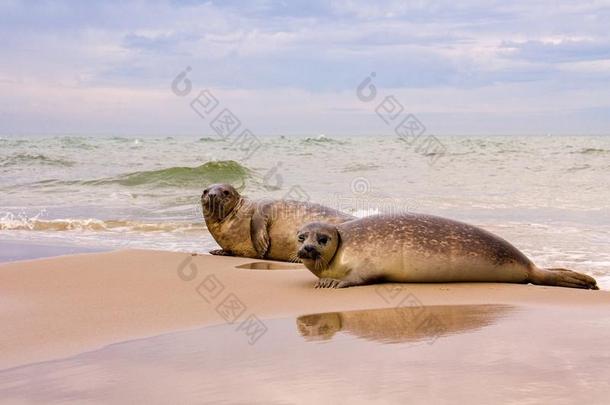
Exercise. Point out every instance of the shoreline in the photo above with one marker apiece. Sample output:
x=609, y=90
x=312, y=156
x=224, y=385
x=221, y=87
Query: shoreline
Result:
x=62, y=306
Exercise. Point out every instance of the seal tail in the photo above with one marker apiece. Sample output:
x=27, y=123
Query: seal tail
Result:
x=561, y=278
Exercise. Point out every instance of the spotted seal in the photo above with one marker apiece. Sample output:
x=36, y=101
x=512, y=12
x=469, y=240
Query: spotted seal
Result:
x=419, y=248
x=259, y=229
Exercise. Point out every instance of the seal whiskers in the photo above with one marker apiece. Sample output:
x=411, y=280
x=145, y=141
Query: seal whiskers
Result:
x=319, y=264
x=323, y=263
x=294, y=258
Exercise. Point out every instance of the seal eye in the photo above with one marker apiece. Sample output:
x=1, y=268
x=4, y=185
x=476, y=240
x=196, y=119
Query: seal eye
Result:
x=205, y=192
x=322, y=240
x=301, y=238
x=225, y=193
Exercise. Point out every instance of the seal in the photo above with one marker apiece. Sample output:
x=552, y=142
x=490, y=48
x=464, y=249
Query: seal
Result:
x=262, y=229
x=410, y=248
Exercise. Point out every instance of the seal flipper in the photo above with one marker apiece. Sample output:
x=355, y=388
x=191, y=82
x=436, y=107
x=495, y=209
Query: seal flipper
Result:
x=221, y=252
x=331, y=283
x=561, y=278
x=259, y=234
x=327, y=283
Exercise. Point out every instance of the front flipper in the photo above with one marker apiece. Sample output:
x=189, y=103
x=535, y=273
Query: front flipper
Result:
x=221, y=252
x=331, y=283
x=259, y=234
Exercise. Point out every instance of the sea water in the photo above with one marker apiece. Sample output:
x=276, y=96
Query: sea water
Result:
x=548, y=195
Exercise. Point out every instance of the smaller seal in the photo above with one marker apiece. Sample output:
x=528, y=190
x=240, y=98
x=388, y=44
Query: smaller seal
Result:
x=413, y=248
x=262, y=229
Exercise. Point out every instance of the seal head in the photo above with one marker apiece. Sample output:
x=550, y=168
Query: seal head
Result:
x=317, y=244
x=219, y=200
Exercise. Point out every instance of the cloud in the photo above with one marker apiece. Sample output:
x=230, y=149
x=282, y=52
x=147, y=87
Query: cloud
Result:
x=559, y=50
x=313, y=50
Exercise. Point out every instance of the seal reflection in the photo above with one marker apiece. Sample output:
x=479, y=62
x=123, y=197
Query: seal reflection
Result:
x=401, y=324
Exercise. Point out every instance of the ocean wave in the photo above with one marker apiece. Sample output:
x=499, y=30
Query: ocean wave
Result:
x=488, y=143
x=210, y=139
x=76, y=142
x=121, y=139
x=322, y=139
x=360, y=167
x=592, y=151
x=12, y=222
x=489, y=147
x=222, y=171
x=8, y=142
x=33, y=159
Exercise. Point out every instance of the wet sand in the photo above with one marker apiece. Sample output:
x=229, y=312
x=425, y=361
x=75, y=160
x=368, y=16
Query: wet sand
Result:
x=487, y=354
x=134, y=324
x=11, y=251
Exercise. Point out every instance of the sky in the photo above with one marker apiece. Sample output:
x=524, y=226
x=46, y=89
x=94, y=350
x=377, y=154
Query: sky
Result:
x=294, y=67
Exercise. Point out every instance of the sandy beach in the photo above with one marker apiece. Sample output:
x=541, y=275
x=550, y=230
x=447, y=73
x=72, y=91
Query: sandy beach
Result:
x=61, y=307
x=448, y=140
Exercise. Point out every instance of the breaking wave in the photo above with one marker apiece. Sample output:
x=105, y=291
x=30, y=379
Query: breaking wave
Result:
x=19, y=222
x=223, y=171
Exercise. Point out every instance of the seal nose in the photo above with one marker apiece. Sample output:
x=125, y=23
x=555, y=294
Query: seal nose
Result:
x=309, y=248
